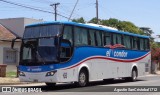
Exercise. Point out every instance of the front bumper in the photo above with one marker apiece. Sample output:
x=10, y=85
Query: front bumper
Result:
x=38, y=77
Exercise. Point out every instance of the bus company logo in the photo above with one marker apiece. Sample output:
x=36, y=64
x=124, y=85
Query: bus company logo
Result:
x=34, y=69
x=116, y=53
x=52, y=67
x=28, y=69
x=37, y=69
x=120, y=53
x=108, y=53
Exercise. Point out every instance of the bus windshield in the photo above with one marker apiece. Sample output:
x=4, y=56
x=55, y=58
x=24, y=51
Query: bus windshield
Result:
x=38, y=45
x=38, y=52
x=42, y=31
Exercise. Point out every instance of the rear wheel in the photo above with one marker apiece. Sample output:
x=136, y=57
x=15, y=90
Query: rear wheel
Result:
x=50, y=84
x=133, y=77
x=83, y=78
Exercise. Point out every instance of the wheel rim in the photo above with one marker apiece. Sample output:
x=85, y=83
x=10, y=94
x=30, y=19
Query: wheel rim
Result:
x=134, y=75
x=82, y=79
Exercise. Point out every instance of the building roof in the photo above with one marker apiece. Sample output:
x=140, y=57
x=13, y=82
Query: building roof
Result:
x=5, y=34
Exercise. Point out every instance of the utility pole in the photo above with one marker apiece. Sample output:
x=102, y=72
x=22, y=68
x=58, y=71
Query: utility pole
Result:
x=55, y=9
x=97, y=11
x=73, y=10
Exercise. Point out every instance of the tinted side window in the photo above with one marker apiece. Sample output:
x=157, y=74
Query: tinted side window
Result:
x=80, y=36
x=134, y=43
x=127, y=41
x=107, y=38
x=141, y=44
x=98, y=38
x=117, y=39
x=146, y=44
x=92, y=37
x=67, y=34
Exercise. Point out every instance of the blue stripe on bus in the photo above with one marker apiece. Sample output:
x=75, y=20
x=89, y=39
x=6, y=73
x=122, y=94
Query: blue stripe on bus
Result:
x=82, y=53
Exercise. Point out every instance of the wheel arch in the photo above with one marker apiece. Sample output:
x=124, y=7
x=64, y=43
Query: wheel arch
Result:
x=86, y=68
x=135, y=68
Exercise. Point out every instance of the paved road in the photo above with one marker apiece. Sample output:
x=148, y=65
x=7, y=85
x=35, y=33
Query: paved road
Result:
x=96, y=88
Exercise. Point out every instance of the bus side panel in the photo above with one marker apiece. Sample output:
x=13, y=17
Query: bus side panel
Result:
x=143, y=65
x=68, y=75
x=103, y=69
x=100, y=65
x=99, y=69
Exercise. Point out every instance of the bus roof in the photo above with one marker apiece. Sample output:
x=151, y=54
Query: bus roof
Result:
x=88, y=26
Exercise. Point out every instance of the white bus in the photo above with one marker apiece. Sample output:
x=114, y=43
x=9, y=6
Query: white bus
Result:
x=56, y=52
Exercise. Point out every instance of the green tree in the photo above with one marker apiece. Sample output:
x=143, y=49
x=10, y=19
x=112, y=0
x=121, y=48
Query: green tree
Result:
x=112, y=22
x=122, y=25
x=94, y=20
x=147, y=31
x=129, y=27
x=79, y=20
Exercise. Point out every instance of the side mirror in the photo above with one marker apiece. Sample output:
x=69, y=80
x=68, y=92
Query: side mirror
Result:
x=65, y=43
x=13, y=41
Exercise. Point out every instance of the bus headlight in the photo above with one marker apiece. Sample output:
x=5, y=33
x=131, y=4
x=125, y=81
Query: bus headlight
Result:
x=21, y=73
x=51, y=73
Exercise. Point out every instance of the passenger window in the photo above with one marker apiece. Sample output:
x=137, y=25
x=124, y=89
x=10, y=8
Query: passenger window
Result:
x=127, y=41
x=98, y=38
x=66, y=49
x=92, y=37
x=80, y=36
x=117, y=39
x=141, y=41
x=68, y=34
x=146, y=42
x=107, y=38
x=134, y=43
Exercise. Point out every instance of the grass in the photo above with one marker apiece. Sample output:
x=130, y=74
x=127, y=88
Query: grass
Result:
x=11, y=74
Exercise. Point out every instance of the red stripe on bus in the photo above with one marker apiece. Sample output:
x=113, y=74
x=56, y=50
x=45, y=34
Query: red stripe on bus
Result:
x=107, y=58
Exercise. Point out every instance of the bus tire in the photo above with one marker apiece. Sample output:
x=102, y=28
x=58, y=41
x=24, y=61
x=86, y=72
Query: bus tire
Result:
x=83, y=78
x=50, y=84
x=133, y=77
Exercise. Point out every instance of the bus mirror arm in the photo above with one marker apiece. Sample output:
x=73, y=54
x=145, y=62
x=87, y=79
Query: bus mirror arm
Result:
x=56, y=41
x=13, y=41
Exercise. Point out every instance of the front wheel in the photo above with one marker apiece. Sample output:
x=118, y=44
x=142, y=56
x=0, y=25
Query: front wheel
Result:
x=83, y=78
